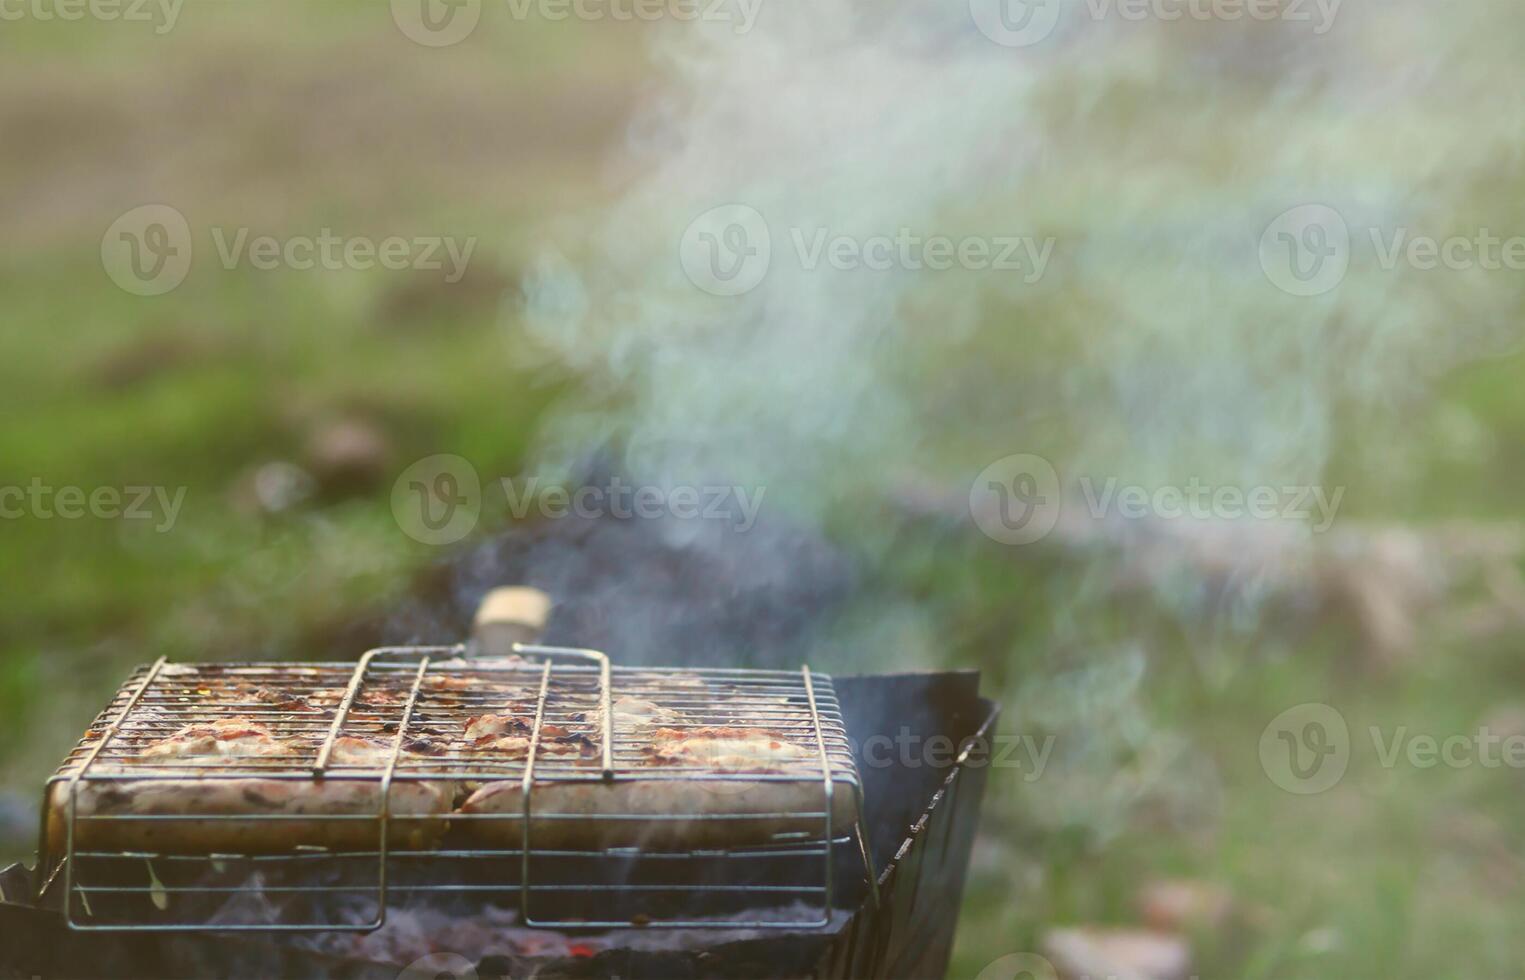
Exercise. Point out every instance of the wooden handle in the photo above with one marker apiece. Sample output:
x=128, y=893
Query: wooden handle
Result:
x=508, y=616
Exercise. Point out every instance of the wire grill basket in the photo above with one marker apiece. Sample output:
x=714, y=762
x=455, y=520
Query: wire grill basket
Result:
x=315, y=795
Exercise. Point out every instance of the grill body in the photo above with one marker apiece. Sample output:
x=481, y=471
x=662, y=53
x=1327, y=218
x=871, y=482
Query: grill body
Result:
x=920, y=828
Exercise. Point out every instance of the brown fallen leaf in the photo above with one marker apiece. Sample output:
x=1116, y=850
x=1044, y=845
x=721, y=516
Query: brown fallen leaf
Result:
x=1120, y=954
x=1184, y=905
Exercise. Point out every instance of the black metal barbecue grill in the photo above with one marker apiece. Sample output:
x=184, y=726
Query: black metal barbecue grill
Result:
x=876, y=895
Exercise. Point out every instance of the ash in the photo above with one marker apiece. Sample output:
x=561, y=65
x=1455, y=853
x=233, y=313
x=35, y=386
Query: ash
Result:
x=494, y=936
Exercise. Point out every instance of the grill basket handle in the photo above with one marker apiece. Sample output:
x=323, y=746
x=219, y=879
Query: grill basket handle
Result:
x=508, y=616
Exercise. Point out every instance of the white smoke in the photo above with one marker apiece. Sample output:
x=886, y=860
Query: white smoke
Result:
x=822, y=118
x=1153, y=153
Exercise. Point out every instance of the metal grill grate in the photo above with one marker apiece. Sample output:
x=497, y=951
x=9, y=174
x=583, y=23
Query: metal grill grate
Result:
x=418, y=770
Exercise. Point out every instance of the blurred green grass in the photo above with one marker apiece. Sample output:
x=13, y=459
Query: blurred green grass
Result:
x=1413, y=874
x=236, y=368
